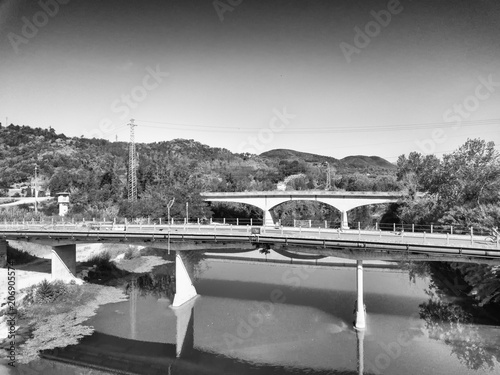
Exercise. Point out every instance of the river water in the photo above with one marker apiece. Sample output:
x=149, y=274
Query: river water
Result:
x=265, y=318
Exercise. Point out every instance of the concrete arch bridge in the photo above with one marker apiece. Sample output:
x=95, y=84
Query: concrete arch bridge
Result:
x=343, y=201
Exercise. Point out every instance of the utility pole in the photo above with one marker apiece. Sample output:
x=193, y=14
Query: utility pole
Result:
x=132, y=176
x=187, y=212
x=35, y=191
x=169, y=205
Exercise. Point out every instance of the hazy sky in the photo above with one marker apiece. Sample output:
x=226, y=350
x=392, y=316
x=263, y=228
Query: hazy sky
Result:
x=331, y=77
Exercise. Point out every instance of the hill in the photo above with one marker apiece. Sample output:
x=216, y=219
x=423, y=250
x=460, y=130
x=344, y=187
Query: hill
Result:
x=349, y=164
x=364, y=162
x=286, y=154
x=95, y=172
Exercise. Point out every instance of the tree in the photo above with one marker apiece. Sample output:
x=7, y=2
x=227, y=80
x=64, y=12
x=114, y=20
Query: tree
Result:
x=471, y=175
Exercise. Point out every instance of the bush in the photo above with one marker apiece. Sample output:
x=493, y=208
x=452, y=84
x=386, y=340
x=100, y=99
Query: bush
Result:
x=47, y=292
x=15, y=256
x=102, y=261
x=131, y=254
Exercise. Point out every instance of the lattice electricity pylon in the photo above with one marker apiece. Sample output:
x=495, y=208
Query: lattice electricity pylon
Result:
x=132, y=176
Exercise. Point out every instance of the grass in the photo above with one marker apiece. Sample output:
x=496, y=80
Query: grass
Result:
x=47, y=298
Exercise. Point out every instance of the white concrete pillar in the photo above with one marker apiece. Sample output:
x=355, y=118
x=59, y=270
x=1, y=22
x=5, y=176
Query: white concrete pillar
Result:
x=64, y=262
x=268, y=219
x=345, y=223
x=185, y=328
x=184, y=288
x=360, y=305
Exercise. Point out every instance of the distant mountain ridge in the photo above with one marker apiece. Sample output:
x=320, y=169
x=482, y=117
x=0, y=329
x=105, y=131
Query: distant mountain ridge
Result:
x=349, y=162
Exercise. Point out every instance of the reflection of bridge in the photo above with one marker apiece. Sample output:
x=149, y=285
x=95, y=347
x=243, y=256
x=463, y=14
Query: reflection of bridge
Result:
x=358, y=245
x=341, y=200
x=107, y=352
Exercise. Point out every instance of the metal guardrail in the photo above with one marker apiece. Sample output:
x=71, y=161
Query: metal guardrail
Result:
x=345, y=244
x=105, y=231
x=429, y=228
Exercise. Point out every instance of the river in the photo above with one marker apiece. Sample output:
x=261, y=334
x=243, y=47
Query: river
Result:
x=266, y=318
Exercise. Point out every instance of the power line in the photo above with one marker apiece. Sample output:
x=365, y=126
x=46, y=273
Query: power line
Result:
x=412, y=140
x=328, y=128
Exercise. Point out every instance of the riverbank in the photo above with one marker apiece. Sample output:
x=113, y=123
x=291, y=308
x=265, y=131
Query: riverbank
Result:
x=41, y=326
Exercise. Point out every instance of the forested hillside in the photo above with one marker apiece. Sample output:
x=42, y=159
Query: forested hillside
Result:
x=95, y=172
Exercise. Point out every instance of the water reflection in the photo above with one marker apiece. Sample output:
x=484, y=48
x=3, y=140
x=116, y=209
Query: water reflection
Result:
x=360, y=335
x=450, y=323
x=309, y=331
x=154, y=284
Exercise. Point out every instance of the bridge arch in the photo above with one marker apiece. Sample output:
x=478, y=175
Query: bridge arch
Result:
x=266, y=200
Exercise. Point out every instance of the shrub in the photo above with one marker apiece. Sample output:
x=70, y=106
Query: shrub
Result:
x=131, y=254
x=102, y=261
x=15, y=256
x=47, y=292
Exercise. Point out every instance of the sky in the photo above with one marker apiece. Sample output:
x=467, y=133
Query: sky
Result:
x=333, y=77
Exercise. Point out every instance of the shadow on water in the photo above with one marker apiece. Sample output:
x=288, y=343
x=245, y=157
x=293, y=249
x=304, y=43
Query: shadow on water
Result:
x=111, y=353
x=324, y=300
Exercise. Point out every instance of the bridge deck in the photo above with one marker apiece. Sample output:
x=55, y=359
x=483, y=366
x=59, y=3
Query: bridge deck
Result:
x=304, y=193
x=356, y=244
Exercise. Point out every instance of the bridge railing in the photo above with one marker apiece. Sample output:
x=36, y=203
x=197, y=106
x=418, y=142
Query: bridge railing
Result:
x=323, y=224
x=224, y=228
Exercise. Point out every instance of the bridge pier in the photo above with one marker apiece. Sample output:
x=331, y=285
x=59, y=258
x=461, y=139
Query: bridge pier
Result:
x=3, y=253
x=268, y=219
x=184, y=288
x=185, y=329
x=345, y=222
x=64, y=262
x=360, y=310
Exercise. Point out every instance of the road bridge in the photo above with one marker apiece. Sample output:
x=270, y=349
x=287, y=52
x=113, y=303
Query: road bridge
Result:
x=9, y=202
x=358, y=245
x=343, y=201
